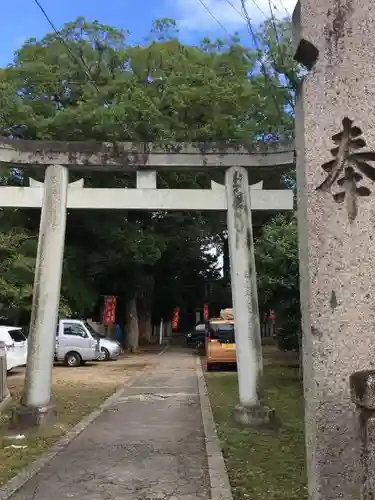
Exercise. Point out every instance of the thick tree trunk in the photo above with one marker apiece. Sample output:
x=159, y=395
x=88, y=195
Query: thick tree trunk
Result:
x=132, y=329
x=145, y=324
x=144, y=307
x=168, y=329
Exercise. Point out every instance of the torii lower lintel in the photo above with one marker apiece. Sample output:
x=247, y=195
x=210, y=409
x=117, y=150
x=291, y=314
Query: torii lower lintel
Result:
x=145, y=199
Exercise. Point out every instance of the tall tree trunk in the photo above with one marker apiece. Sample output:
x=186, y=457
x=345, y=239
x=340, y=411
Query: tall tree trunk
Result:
x=144, y=307
x=168, y=329
x=144, y=321
x=132, y=329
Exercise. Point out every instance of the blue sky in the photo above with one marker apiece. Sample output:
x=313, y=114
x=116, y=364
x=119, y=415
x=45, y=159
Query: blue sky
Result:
x=24, y=19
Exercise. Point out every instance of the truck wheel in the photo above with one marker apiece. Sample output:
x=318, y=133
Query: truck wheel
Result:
x=73, y=359
x=104, y=354
x=210, y=367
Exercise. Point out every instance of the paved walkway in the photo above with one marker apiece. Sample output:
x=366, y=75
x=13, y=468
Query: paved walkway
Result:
x=148, y=445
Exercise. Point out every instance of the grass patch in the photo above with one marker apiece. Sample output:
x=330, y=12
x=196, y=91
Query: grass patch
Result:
x=73, y=402
x=263, y=464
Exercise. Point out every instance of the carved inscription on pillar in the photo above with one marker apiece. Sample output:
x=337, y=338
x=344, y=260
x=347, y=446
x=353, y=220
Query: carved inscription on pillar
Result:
x=348, y=167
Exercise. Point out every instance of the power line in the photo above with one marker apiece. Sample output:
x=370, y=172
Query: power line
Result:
x=246, y=17
x=263, y=67
x=244, y=14
x=280, y=52
x=273, y=21
x=235, y=8
x=229, y=2
x=213, y=16
x=283, y=6
x=249, y=24
x=259, y=8
x=81, y=62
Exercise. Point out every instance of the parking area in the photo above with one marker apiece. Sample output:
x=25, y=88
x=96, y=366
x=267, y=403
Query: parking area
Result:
x=91, y=374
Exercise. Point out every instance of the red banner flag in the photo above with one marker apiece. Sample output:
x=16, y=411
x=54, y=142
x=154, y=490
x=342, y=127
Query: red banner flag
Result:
x=205, y=312
x=109, y=315
x=176, y=318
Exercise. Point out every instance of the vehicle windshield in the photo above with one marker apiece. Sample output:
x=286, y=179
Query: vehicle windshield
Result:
x=17, y=335
x=224, y=332
x=92, y=330
x=200, y=327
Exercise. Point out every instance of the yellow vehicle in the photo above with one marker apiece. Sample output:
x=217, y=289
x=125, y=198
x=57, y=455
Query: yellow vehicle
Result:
x=220, y=341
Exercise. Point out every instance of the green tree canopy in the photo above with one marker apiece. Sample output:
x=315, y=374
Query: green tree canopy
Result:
x=276, y=252
x=87, y=82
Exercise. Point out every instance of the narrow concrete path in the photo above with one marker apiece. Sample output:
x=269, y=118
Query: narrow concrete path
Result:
x=148, y=445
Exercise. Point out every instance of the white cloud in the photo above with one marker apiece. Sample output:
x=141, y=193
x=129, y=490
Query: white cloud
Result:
x=194, y=16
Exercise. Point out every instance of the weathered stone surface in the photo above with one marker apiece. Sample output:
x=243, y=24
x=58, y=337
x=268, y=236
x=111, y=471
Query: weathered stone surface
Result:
x=126, y=156
x=46, y=295
x=362, y=387
x=27, y=417
x=146, y=198
x=336, y=230
x=367, y=462
x=244, y=287
x=254, y=416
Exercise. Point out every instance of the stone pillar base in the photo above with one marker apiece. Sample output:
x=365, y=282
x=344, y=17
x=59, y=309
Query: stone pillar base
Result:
x=254, y=416
x=30, y=416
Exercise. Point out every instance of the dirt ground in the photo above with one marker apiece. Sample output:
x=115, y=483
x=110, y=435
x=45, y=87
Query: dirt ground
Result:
x=91, y=374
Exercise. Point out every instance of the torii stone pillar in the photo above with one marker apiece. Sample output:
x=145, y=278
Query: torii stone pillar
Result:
x=36, y=403
x=335, y=141
x=245, y=299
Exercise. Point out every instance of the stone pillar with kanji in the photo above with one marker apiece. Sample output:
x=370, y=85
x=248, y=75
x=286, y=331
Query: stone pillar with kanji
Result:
x=335, y=150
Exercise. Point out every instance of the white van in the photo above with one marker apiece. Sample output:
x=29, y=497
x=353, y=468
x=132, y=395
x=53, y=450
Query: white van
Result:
x=75, y=344
x=15, y=346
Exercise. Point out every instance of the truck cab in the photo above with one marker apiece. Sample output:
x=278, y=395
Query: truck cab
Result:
x=75, y=343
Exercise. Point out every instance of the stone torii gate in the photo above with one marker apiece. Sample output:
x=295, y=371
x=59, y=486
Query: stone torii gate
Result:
x=56, y=195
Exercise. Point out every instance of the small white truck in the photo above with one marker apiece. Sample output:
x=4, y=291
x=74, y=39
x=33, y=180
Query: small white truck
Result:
x=76, y=342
